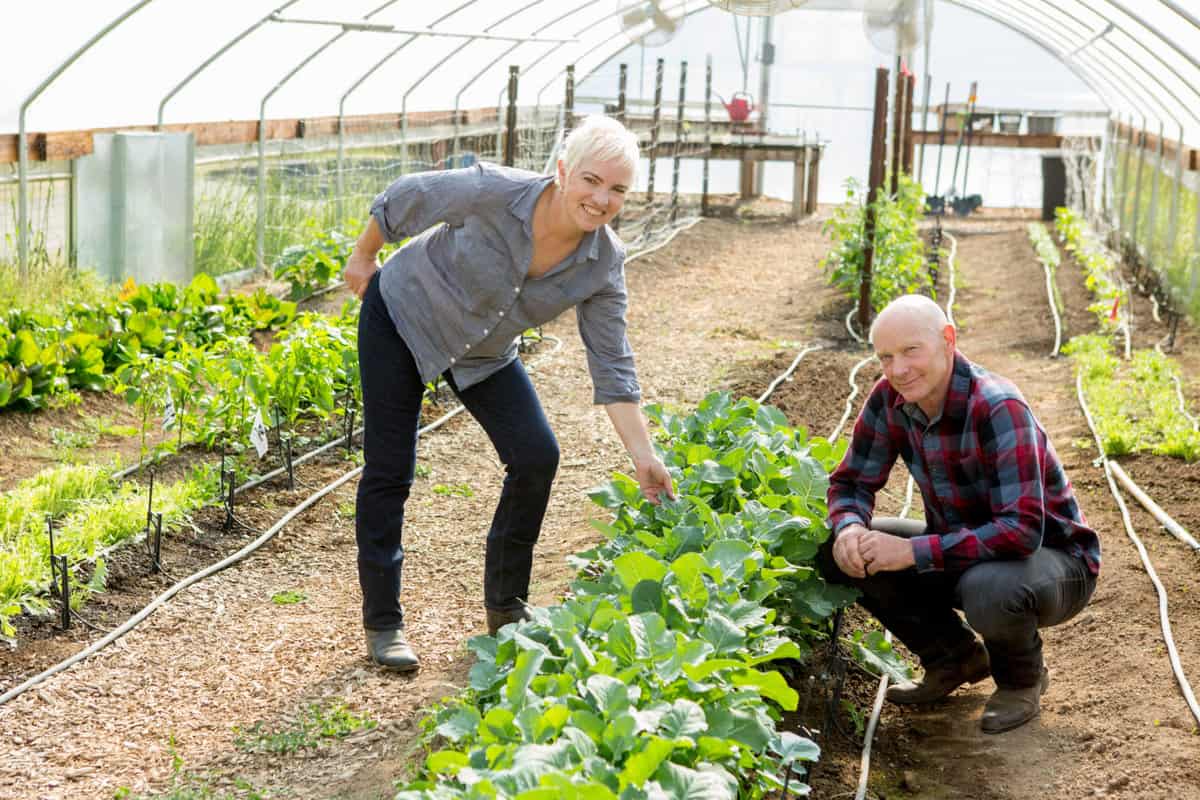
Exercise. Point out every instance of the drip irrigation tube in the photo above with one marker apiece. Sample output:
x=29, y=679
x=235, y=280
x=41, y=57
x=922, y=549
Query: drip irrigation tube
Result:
x=1053, y=308
x=783, y=376
x=1156, y=511
x=1164, y=619
x=678, y=228
x=225, y=563
x=853, y=394
x=850, y=326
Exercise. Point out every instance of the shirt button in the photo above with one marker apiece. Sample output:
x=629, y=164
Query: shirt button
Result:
x=468, y=347
x=502, y=313
x=451, y=360
x=516, y=290
x=485, y=333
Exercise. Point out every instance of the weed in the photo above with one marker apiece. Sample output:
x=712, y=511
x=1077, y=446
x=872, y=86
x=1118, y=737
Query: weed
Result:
x=453, y=490
x=288, y=597
x=316, y=723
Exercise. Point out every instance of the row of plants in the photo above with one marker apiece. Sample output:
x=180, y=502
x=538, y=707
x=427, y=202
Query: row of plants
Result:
x=653, y=678
x=1133, y=402
x=46, y=356
x=898, y=266
x=217, y=396
x=90, y=513
x=1097, y=265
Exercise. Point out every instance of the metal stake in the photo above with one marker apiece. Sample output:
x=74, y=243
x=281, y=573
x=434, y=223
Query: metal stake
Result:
x=683, y=67
x=510, y=140
x=707, y=134
x=66, y=592
x=658, y=86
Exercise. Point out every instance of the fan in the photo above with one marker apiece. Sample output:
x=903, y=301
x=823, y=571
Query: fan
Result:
x=757, y=8
x=897, y=26
x=635, y=16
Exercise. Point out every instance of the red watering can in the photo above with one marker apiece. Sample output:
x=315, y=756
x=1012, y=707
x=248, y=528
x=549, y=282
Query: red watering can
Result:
x=739, y=106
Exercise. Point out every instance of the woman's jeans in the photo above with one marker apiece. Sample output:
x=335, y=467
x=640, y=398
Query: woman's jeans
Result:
x=509, y=411
x=1005, y=602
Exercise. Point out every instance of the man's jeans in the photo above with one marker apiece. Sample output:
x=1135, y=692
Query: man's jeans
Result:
x=1006, y=602
x=507, y=408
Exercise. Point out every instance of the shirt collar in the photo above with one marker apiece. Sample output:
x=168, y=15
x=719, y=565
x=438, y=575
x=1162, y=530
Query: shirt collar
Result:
x=522, y=208
x=957, y=394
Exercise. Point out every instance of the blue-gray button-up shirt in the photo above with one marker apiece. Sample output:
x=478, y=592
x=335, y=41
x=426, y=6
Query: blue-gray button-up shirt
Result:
x=459, y=293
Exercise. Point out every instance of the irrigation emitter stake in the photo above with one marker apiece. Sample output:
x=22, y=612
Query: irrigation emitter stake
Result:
x=349, y=426
x=156, y=548
x=229, y=481
x=65, y=592
x=150, y=501
x=50, y=531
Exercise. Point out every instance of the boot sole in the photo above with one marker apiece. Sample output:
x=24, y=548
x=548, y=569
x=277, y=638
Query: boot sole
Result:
x=396, y=669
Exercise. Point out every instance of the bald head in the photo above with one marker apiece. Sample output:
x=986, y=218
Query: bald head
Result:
x=911, y=314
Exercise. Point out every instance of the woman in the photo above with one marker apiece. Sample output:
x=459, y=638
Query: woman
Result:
x=495, y=251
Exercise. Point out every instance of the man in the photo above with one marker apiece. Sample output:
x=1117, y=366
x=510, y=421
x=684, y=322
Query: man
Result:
x=1003, y=538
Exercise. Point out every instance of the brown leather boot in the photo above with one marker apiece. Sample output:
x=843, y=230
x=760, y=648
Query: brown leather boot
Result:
x=1012, y=708
x=941, y=680
x=498, y=619
x=389, y=649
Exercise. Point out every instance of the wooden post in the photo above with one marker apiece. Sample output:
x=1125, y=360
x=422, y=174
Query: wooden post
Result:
x=746, y=176
x=875, y=183
x=707, y=134
x=510, y=126
x=569, y=101
x=622, y=84
x=1137, y=187
x=658, y=83
x=897, y=130
x=814, y=176
x=909, y=139
x=798, y=204
x=683, y=66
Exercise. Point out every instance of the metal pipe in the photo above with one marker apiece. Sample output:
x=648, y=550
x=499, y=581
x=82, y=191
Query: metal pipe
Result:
x=359, y=27
x=260, y=226
x=1137, y=187
x=23, y=144
x=924, y=121
x=707, y=133
x=222, y=51
x=1173, y=220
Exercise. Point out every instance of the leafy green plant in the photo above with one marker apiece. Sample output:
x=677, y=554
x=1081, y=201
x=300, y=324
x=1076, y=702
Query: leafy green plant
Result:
x=288, y=597
x=1097, y=265
x=898, y=266
x=652, y=678
x=453, y=490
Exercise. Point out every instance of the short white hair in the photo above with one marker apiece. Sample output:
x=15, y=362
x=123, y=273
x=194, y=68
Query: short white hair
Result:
x=603, y=139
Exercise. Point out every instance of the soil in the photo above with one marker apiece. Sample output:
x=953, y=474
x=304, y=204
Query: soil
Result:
x=726, y=305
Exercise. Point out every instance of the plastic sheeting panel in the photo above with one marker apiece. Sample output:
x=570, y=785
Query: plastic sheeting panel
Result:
x=134, y=209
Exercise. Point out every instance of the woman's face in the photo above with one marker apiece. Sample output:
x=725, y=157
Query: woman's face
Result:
x=594, y=191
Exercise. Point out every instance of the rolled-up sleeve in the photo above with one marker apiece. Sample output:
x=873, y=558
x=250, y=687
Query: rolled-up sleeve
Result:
x=609, y=356
x=415, y=202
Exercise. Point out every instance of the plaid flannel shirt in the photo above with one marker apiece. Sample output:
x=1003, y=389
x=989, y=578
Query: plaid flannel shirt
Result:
x=992, y=485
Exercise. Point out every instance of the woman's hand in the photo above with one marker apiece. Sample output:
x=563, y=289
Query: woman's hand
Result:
x=655, y=480
x=362, y=265
x=359, y=269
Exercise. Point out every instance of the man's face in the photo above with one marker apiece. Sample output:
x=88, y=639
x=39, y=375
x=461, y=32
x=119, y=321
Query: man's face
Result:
x=916, y=360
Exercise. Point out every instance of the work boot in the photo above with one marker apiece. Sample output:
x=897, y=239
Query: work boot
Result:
x=388, y=649
x=1012, y=708
x=942, y=679
x=498, y=619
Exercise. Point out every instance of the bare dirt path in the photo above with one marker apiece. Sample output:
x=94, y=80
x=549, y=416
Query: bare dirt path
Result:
x=223, y=656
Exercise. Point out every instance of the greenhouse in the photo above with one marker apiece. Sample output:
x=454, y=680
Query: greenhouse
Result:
x=631, y=399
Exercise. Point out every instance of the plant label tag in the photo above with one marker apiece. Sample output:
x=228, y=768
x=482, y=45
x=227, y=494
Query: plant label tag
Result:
x=169, y=413
x=258, y=434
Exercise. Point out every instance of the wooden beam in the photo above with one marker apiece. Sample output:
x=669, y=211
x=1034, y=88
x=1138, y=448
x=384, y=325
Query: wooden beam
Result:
x=67, y=145
x=1040, y=141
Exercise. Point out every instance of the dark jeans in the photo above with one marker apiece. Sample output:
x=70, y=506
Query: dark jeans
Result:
x=1006, y=602
x=507, y=408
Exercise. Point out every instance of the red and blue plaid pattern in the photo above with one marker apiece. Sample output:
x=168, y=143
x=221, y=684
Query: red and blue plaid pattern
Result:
x=992, y=485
